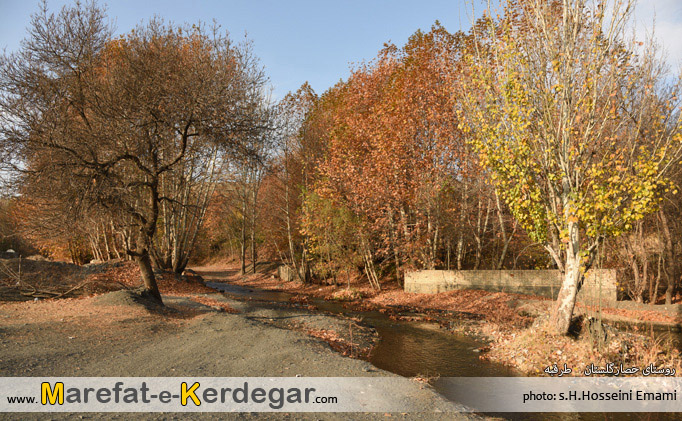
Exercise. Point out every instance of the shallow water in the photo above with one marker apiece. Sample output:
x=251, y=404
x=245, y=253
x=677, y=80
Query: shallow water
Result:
x=405, y=348
x=423, y=349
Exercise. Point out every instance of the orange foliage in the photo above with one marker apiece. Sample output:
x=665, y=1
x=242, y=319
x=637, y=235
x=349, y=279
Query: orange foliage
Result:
x=393, y=143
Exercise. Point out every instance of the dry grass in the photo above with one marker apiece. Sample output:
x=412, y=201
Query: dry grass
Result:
x=91, y=315
x=46, y=279
x=641, y=315
x=127, y=274
x=531, y=350
x=495, y=307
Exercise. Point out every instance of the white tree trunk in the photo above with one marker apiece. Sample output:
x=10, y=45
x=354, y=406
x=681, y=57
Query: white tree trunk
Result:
x=563, y=311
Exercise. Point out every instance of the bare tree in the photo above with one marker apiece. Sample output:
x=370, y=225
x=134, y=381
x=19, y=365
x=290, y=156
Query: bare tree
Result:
x=103, y=121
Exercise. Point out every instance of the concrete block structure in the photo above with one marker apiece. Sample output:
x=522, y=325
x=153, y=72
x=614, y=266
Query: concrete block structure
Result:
x=286, y=273
x=600, y=285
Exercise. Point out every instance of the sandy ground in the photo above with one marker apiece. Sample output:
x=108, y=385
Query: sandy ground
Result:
x=116, y=335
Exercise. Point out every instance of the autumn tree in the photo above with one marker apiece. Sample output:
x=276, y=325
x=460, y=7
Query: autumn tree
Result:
x=247, y=177
x=381, y=152
x=333, y=240
x=11, y=236
x=301, y=132
x=392, y=144
x=190, y=186
x=103, y=121
x=575, y=124
x=649, y=255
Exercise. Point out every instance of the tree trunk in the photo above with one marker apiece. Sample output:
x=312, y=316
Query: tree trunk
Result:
x=394, y=245
x=460, y=240
x=669, y=293
x=641, y=281
x=144, y=241
x=672, y=272
x=290, y=237
x=113, y=242
x=106, y=242
x=145, y=264
x=243, y=234
x=254, y=258
x=653, y=293
x=503, y=230
x=477, y=235
x=292, y=251
x=563, y=311
x=304, y=262
x=242, y=256
x=635, y=271
x=370, y=270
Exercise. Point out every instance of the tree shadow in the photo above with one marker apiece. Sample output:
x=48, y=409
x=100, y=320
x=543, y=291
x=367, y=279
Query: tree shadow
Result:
x=576, y=326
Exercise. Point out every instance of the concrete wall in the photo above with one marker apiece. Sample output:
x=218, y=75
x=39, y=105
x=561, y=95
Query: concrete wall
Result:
x=286, y=273
x=600, y=284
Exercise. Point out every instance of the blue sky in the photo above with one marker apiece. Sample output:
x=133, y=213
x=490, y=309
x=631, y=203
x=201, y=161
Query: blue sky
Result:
x=299, y=40
x=296, y=40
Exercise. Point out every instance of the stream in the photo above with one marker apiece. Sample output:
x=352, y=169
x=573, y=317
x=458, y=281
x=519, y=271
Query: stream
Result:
x=409, y=349
x=405, y=348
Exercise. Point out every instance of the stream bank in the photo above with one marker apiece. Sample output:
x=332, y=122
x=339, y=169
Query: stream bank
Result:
x=499, y=324
x=407, y=348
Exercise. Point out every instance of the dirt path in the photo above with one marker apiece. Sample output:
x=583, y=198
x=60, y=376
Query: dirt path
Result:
x=101, y=336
